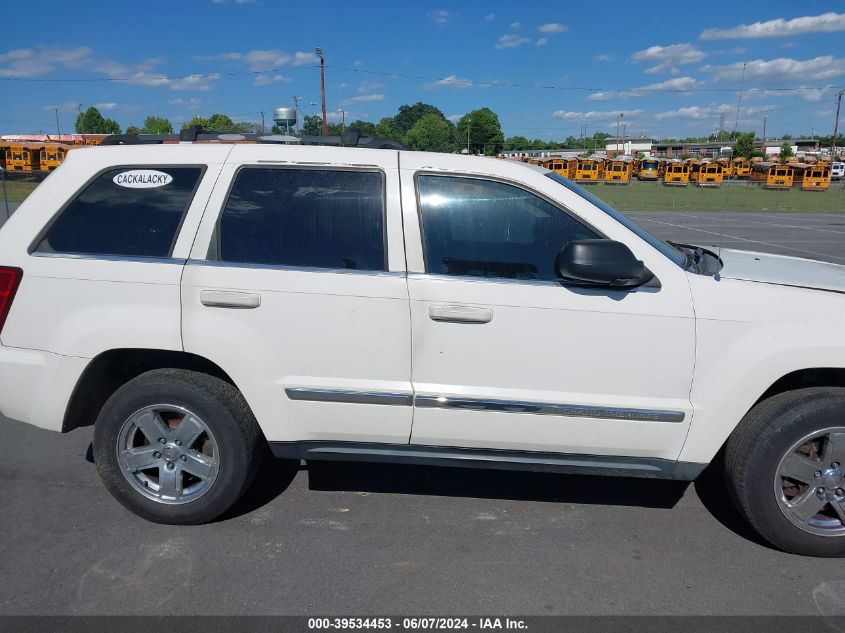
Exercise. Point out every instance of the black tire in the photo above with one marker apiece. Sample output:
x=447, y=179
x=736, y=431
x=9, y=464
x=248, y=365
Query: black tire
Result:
x=221, y=408
x=754, y=452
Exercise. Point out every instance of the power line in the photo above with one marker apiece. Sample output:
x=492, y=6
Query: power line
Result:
x=395, y=75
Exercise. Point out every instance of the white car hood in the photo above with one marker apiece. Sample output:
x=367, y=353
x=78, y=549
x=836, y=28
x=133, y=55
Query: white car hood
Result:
x=783, y=270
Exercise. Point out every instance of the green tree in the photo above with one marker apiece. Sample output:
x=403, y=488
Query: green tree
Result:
x=335, y=129
x=222, y=124
x=364, y=127
x=312, y=125
x=485, y=132
x=744, y=145
x=133, y=129
x=386, y=128
x=92, y=122
x=408, y=115
x=432, y=133
x=516, y=143
x=786, y=152
x=156, y=125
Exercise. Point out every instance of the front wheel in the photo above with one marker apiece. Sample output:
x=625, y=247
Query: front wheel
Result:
x=176, y=446
x=785, y=466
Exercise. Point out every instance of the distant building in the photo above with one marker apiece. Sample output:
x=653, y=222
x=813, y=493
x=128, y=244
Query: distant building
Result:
x=628, y=146
x=715, y=149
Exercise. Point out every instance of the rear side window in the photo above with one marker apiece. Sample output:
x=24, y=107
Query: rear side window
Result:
x=317, y=218
x=128, y=211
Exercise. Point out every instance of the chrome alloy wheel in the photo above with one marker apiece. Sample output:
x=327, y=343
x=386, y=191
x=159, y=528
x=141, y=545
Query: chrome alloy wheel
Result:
x=810, y=483
x=168, y=454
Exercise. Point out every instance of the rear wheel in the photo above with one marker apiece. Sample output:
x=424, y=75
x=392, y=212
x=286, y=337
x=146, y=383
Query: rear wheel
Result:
x=177, y=446
x=785, y=466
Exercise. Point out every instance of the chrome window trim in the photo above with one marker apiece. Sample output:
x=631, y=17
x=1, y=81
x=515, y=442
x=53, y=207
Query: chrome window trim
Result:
x=350, y=397
x=113, y=258
x=482, y=404
x=301, y=269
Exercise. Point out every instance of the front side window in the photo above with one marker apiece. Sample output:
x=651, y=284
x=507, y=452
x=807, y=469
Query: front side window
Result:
x=316, y=218
x=482, y=228
x=128, y=211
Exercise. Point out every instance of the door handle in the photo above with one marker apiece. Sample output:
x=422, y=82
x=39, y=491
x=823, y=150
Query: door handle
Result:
x=224, y=299
x=459, y=314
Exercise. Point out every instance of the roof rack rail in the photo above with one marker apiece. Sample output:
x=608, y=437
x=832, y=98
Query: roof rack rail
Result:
x=350, y=138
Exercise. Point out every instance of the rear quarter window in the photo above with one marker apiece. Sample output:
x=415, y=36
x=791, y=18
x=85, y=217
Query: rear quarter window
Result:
x=128, y=211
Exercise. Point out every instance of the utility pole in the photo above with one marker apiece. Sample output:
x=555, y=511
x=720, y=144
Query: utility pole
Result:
x=262, y=121
x=721, y=126
x=319, y=52
x=618, y=125
x=57, y=121
x=765, y=118
x=313, y=108
x=342, y=120
x=296, y=108
x=836, y=125
x=469, y=124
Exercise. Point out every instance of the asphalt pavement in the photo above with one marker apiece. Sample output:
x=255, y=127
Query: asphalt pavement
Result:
x=373, y=539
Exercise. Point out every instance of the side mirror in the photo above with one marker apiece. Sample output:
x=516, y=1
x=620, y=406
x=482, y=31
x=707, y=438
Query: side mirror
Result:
x=601, y=263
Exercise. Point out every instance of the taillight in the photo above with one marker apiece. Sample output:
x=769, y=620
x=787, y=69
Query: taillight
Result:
x=10, y=279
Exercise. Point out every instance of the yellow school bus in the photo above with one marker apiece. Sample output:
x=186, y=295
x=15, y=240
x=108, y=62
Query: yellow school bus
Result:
x=772, y=175
x=741, y=167
x=22, y=158
x=649, y=169
x=811, y=177
x=51, y=156
x=559, y=166
x=617, y=171
x=587, y=170
x=706, y=173
x=727, y=167
x=676, y=173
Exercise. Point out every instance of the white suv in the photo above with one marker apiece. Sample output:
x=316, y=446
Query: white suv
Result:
x=200, y=302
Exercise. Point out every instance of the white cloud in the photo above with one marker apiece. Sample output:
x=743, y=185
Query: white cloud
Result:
x=516, y=25
x=363, y=99
x=780, y=27
x=454, y=118
x=265, y=80
x=676, y=84
x=369, y=86
x=489, y=17
x=606, y=115
x=553, y=27
x=452, y=81
x=441, y=16
x=28, y=62
x=511, y=40
x=111, y=105
x=666, y=58
x=257, y=60
x=191, y=104
x=542, y=41
x=781, y=70
x=302, y=58
x=604, y=57
x=711, y=112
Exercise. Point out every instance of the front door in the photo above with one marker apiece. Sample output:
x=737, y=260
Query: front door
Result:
x=506, y=356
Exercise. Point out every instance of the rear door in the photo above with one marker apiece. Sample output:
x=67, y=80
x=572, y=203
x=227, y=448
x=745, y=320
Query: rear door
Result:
x=296, y=287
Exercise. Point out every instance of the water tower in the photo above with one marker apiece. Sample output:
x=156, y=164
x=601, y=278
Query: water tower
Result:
x=285, y=118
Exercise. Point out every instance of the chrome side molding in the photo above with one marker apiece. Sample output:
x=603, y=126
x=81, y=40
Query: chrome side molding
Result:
x=478, y=404
x=537, y=408
x=350, y=397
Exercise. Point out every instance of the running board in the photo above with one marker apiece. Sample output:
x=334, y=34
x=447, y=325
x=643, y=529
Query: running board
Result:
x=489, y=458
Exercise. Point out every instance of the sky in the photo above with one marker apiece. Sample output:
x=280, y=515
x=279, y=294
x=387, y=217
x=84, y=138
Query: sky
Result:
x=546, y=69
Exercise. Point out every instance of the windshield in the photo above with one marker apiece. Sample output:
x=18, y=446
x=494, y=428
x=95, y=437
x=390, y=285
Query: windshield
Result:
x=672, y=253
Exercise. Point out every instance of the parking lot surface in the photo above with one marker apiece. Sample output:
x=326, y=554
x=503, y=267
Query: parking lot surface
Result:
x=368, y=539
